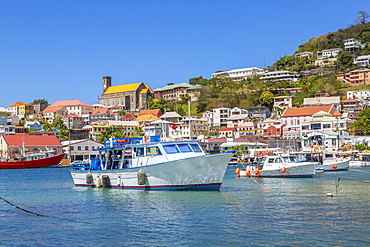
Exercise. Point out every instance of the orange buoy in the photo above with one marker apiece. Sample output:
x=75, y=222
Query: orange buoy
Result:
x=335, y=166
x=256, y=171
x=283, y=170
x=237, y=171
x=248, y=173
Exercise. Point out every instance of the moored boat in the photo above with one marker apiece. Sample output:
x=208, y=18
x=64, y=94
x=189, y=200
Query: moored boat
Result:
x=331, y=161
x=176, y=165
x=279, y=166
x=33, y=161
x=360, y=160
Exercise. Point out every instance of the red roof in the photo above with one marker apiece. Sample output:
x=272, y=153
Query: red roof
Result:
x=226, y=129
x=306, y=111
x=155, y=112
x=31, y=140
x=72, y=102
x=18, y=104
x=102, y=110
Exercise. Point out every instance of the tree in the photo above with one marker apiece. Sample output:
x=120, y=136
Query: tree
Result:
x=267, y=99
x=40, y=101
x=363, y=122
x=362, y=17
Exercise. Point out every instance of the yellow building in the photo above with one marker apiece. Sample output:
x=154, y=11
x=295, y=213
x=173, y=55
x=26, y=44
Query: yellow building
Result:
x=129, y=97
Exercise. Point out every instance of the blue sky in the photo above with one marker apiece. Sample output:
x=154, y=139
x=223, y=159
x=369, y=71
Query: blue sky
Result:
x=59, y=50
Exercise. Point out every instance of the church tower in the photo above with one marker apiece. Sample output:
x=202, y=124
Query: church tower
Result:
x=107, y=82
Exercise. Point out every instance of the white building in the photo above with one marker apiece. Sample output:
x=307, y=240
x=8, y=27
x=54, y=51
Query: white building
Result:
x=239, y=74
x=281, y=103
x=362, y=60
x=361, y=95
x=328, y=53
x=352, y=45
x=220, y=116
x=281, y=75
x=80, y=150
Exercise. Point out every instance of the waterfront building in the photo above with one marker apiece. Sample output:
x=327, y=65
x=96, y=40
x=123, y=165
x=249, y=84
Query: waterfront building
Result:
x=293, y=117
x=14, y=146
x=80, y=150
x=240, y=74
x=325, y=122
x=178, y=91
x=329, y=141
x=281, y=75
x=130, y=97
x=273, y=131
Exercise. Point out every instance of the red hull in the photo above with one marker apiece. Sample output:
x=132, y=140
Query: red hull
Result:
x=50, y=161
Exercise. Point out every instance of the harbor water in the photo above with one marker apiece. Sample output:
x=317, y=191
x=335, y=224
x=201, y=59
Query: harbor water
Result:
x=246, y=212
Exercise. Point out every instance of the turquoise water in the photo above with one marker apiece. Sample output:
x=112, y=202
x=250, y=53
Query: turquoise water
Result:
x=246, y=212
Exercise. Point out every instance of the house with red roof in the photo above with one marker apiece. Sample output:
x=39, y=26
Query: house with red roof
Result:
x=13, y=146
x=351, y=105
x=226, y=132
x=293, y=117
x=20, y=109
x=155, y=112
x=65, y=107
x=101, y=113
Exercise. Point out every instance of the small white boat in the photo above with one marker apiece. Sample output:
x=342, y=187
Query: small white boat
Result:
x=360, y=160
x=177, y=165
x=331, y=161
x=279, y=166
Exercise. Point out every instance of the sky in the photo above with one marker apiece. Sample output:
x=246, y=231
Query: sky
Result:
x=60, y=50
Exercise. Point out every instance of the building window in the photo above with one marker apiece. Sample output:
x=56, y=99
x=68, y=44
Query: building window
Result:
x=86, y=148
x=79, y=148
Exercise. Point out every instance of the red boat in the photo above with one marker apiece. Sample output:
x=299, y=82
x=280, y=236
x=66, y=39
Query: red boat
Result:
x=35, y=163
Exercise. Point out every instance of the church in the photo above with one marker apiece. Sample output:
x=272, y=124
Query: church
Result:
x=130, y=97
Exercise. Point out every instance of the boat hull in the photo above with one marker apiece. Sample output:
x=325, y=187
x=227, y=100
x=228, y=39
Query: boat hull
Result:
x=301, y=170
x=335, y=165
x=39, y=163
x=197, y=173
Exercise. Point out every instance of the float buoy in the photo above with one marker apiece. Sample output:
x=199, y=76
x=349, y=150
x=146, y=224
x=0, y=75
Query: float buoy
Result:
x=89, y=178
x=335, y=166
x=141, y=177
x=283, y=170
x=256, y=171
x=98, y=182
x=119, y=181
x=237, y=171
x=105, y=181
x=248, y=172
x=329, y=194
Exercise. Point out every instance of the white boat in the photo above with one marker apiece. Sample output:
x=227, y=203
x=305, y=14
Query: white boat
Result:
x=331, y=161
x=279, y=166
x=177, y=165
x=360, y=160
